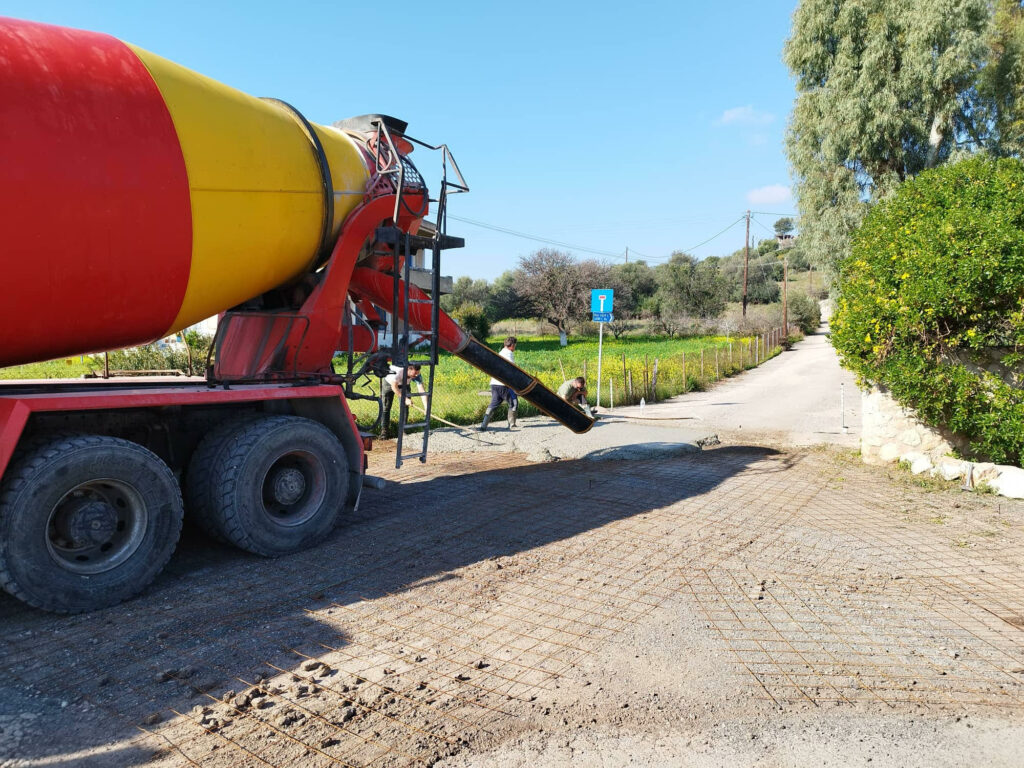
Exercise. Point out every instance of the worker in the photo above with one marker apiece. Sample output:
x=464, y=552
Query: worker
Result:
x=393, y=386
x=575, y=391
x=502, y=394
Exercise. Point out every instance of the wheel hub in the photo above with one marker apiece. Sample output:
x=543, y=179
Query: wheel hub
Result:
x=289, y=485
x=96, y=526
x=88, y=522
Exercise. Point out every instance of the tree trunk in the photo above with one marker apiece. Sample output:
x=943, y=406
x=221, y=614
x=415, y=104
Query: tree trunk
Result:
x=563, y=339
x=935, y=137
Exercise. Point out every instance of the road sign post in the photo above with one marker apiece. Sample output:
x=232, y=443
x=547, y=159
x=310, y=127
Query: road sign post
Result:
x=602, y=301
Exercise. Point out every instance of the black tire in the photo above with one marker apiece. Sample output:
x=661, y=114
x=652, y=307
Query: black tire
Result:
x=200, y=505
x=278, y=485
x=86, y=522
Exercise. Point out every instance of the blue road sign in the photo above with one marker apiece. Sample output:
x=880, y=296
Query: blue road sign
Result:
x=602, y=300
x=602, y=317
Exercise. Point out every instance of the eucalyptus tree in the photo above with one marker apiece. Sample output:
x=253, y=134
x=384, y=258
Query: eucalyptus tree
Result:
x=885, y=89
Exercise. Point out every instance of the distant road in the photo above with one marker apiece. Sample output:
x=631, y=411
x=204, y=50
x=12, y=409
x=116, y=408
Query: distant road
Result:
x=793, y=399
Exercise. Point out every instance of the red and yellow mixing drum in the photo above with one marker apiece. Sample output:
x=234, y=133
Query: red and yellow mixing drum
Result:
x=138, y=197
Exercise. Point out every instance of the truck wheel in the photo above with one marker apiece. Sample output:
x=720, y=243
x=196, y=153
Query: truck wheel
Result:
x=279, y=485
x=86, y=521
x=200, y=506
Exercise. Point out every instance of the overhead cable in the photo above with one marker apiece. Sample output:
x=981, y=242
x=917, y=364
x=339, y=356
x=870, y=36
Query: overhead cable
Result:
x=719, y=234
x=536, y=238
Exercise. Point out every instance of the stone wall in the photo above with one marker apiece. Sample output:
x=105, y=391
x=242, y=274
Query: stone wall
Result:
x=890, y=433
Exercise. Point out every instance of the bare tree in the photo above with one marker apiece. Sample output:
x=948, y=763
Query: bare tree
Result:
x=557, y=287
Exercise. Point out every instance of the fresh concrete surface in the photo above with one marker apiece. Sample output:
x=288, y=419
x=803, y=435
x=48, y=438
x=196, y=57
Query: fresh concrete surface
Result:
x=542, y=439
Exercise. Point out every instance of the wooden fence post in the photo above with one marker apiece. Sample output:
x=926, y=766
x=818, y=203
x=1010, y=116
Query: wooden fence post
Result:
x=686, y=382
x=654, y=382
x=717, y=376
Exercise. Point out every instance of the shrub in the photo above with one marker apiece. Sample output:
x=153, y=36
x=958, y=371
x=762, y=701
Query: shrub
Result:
x=161, y=357
x=473, y=318
x=805, y=312
x=931, y=301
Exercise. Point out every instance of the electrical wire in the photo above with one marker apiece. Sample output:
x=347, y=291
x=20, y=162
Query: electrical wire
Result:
x=719, y=234
x=584, y=249
x=762, y=226
x=536, y=238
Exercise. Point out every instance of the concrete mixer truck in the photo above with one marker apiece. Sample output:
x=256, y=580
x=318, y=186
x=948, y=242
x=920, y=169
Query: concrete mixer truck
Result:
x=138, y=197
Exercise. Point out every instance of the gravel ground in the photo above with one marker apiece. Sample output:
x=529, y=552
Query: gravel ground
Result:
x=736, y=606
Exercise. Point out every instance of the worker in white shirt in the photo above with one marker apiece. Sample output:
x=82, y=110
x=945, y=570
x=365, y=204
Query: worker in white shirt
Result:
x=502, y=394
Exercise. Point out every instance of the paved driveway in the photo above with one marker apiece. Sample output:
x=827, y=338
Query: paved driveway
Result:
x=801, y=397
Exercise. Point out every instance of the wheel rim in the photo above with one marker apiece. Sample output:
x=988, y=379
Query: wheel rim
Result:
x=96, y=526
x=294, y=487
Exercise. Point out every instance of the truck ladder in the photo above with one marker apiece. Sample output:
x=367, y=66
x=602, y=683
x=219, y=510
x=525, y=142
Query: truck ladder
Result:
x=406, y=245
x=403, y=352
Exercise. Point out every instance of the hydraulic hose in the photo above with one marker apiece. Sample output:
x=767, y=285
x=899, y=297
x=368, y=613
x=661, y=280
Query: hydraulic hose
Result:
x=378, y=287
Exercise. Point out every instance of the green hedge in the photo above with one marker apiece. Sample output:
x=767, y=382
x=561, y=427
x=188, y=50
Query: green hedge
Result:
x=933, y=294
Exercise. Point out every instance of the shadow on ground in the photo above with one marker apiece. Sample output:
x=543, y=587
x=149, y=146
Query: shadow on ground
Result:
x=217, y=618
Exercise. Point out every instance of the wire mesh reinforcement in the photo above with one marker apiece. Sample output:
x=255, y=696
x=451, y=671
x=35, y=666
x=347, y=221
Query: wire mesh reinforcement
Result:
x=395, y=643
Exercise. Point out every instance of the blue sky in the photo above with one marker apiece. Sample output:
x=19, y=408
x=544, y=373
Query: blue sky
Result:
x=603, y=125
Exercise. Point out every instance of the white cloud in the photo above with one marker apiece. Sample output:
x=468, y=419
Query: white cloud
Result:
x=773, y=194
x=745, y=116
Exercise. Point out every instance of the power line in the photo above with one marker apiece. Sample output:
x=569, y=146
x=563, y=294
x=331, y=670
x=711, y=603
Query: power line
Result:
x=536, y=238
x=762, y=226
x=784, y=215
x=719, y=234
x=584, y=249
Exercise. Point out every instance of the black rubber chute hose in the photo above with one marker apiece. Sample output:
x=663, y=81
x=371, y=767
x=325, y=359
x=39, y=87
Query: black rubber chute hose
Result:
x=526, y=386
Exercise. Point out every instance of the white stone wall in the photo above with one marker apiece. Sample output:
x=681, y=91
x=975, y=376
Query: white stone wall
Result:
x=890, y=433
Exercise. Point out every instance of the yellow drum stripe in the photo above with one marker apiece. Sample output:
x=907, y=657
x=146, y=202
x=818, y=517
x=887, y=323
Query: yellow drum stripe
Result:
x=346, y=163
x=257, y=198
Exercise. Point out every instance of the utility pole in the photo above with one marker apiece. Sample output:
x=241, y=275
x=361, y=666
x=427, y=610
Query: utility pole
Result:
x=746, y=262
x=627, y=254
x=785, y=295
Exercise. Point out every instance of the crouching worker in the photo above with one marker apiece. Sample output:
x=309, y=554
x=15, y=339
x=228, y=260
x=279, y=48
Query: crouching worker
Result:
x=502, y=394
x=575, y=391
x=393, y=386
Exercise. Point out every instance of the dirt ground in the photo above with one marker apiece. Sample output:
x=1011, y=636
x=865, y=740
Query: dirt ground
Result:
x=737, y=606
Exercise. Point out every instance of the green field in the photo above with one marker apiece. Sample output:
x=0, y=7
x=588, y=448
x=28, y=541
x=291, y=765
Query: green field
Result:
x=69, y=368
x=461, y=392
